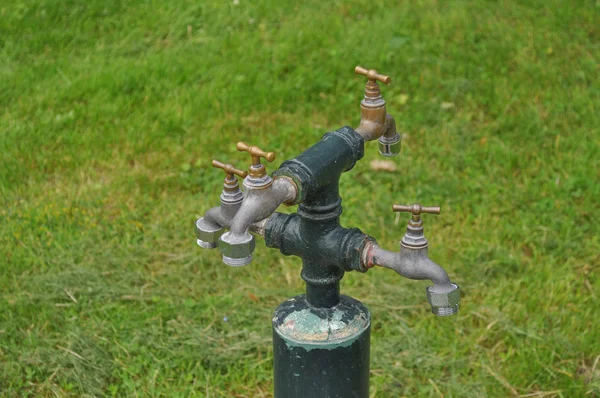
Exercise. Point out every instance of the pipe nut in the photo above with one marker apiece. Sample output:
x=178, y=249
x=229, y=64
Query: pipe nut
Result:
x=237, y=251
x=207, y=234
x=443, y=300
x=390, y=146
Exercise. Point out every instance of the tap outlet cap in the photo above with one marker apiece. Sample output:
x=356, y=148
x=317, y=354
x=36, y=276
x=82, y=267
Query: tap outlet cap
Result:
x=390, y=147
x=237, y=251
x=207, y=234
x=443, y=299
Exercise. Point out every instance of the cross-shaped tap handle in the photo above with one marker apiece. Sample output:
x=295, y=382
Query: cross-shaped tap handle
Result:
x=229, y=169
x=372, y=75
x=255, y=152
x=416, y=210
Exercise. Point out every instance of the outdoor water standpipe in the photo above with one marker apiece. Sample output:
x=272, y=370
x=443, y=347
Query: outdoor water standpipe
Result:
x=321, y=339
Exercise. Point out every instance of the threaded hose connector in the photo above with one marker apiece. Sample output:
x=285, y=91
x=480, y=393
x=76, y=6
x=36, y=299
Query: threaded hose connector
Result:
x=443, y=299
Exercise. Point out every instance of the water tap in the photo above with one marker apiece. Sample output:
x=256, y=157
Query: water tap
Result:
x=375, y=122
x=210, y=227
x=413, y=262
x=263, y=195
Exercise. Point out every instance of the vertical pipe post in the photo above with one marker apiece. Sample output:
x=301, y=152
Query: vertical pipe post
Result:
x=321, y=352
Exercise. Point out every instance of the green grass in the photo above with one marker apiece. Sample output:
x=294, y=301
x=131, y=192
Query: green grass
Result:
x=111, y=111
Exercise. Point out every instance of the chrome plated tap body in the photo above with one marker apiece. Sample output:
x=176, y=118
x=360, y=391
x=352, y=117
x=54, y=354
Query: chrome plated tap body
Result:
x=260, y=202
x=410, y=262
x=414, y=263
x=210, y=227
x=263, y=197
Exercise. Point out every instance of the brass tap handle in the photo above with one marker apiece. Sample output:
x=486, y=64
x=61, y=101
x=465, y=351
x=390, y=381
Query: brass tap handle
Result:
x=372, y=75
x=255, y=152
x=229, y=169
x=416, y=209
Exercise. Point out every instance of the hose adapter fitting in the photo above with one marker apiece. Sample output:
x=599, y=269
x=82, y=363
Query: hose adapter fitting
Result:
x=443, y=299
x=236, y=251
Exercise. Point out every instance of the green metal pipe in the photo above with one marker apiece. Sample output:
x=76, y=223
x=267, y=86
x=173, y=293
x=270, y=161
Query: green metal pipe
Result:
x=321, y=339
x=321, y=352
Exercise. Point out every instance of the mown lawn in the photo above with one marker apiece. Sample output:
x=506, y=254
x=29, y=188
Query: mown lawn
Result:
x=111, y=111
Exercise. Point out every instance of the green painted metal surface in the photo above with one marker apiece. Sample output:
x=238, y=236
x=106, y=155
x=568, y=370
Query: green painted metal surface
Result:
x=321, y=352
x=314, y=233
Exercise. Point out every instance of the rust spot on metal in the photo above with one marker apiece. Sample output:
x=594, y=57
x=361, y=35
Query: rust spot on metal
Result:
x=371, y=260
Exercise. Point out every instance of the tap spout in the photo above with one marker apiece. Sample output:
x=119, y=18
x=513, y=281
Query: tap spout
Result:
x=210, y=227
x=390, y=130
x=238, y=244
x=388, y=139
x=410, y=263
x=214, y=217
x=260, y=204
x=414, y=263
